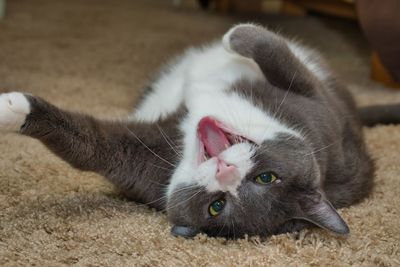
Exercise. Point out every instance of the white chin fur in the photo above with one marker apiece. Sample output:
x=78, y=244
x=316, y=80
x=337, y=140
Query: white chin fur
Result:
x=13, y=110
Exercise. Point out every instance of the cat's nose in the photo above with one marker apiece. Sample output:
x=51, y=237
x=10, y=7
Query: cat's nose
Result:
x=227, y=175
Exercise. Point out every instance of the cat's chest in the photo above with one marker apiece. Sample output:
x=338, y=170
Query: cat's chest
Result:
x=199, y=78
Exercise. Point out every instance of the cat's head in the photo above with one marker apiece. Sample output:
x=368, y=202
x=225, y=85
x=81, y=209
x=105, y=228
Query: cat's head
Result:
x=244, y=186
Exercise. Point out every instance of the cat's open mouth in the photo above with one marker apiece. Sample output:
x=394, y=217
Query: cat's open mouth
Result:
x=216, y=137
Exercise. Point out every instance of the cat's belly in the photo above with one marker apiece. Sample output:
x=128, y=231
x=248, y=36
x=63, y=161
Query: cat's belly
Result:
x=206, y=71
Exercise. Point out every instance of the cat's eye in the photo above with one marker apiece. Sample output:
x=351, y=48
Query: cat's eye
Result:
x=265, y=178
x=216, y=207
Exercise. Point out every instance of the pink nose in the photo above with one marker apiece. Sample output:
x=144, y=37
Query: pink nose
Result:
x=227, y=175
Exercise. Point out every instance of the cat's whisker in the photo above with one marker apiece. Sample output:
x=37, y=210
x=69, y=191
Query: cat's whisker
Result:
x=160, y=167
x=165, y=196
x=169, y=142
x=154, y=182
x=154, y=153
x=250, y=121
x=173, y=169
x=287, y=92
x=185, y=200
x=186, y=187
x=323, y=148
x=233, y=229
x=222, y=228
x=151, y=202
x=148, y=148
x=276, y=101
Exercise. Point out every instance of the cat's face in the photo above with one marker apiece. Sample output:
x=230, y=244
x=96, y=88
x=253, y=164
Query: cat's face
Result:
x=243, y=187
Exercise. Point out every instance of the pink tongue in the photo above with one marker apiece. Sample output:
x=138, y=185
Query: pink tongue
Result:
x=212, y=136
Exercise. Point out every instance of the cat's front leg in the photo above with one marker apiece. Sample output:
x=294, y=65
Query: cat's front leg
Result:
x=71, y=136
x=273, y=55
x=132, y=155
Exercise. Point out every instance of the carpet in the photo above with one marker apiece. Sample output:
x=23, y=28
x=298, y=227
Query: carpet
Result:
x=94, y=57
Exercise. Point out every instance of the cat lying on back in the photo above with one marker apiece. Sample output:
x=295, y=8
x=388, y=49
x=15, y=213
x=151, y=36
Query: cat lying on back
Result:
x=253, y=136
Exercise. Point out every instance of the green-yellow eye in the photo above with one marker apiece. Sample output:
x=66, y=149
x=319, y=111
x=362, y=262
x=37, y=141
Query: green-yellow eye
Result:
x=265, y=178
x=216, y=207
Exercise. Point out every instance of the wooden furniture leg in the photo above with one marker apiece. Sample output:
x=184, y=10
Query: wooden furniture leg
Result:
x=379, y=72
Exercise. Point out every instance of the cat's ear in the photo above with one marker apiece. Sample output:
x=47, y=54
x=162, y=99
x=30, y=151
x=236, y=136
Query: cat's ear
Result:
x=184, y=231
x=319, y=211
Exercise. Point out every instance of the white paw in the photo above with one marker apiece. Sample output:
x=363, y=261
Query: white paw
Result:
x=13, y=110
x=226, y=39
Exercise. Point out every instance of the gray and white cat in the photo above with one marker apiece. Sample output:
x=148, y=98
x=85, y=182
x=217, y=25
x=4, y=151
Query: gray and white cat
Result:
x=252, y=135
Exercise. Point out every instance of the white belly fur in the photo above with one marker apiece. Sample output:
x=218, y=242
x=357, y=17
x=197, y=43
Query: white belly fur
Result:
x=203, y=71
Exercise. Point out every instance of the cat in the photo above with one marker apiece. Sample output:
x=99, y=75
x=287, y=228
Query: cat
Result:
x=252, y=135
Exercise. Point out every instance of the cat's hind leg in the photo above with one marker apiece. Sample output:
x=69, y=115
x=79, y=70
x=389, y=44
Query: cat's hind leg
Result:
x=272, y=53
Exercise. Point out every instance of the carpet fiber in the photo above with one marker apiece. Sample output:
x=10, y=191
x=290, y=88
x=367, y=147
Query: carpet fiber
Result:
x=94, y=56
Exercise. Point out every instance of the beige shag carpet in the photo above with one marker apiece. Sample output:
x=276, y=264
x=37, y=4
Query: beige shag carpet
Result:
x=94, y=56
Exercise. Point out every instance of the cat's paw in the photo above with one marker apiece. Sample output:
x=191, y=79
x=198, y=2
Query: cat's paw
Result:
x=14, y=107
x=241, y=39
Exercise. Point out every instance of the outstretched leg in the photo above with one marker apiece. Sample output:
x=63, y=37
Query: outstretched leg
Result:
x=134, y=156
x=273, y=55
